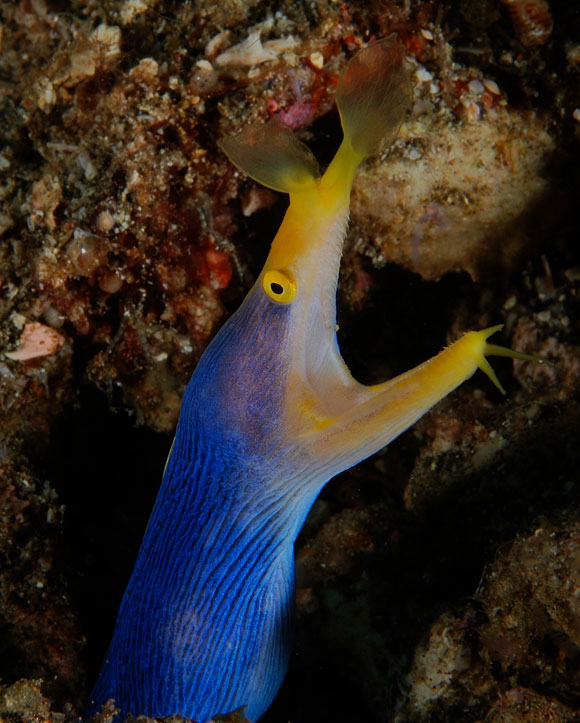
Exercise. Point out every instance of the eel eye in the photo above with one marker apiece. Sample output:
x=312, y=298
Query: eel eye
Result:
x=279, y=285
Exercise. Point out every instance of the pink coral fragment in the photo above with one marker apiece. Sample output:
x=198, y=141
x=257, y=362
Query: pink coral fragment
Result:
x=299, y=114
x=36, y=340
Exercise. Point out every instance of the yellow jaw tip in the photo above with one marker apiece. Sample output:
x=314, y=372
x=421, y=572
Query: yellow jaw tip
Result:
x=481, y=349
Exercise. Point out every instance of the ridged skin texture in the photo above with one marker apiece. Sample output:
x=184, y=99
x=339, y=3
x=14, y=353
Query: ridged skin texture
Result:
x=213, y=586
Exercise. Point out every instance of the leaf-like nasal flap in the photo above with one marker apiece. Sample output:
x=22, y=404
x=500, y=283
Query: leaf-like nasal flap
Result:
x=272, y=155
x=373, y=96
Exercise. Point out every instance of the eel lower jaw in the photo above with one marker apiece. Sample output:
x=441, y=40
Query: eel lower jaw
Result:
x=320, y=387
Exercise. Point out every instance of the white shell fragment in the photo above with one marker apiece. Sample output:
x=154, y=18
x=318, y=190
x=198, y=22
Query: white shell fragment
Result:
x=252, y=51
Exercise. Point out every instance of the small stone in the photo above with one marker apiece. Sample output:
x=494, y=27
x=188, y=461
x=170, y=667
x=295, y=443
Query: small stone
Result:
x=84, y=161
x=6, y=223
x=476, y=86
x=492, y=86
x=423, y=75
x=317, y=60
x=105, y=221
x=108, y=38
x=111, y=283
x=86, y=251
x=472, y=110
x=147, y=68
x=53, y=317
x=133, y=8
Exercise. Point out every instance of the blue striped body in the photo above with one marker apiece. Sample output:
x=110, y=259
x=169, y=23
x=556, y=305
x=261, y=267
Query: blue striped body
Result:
x=205, y=625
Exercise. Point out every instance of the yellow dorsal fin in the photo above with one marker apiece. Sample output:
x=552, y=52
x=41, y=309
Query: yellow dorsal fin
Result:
x=272, y=155
x=373, y=96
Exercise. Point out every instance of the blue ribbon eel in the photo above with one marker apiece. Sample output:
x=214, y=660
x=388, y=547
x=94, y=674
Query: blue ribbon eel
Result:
x=270, y=415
